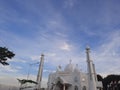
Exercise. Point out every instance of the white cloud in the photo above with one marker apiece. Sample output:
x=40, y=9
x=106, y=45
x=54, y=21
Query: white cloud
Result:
x=6, y=79
x=104, y=54
x=35, y=57
x=107, y=53
x=51, y=54
x=86, y=30
x=16, y=59
x=65, y=46
x=69, y=3
x=9, y=80
x=9, y=69
x=61, y=34
x=48, y=71
x=54, y=46
x=106, y=57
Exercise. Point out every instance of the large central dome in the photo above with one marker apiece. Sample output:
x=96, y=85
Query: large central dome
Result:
x=69, y=67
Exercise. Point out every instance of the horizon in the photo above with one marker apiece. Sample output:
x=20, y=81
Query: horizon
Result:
x=60, y=30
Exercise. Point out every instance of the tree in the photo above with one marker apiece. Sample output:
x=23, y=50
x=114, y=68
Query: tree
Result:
x=110, y=79
x=24, y=81
x=99, y=78
x=5, y=54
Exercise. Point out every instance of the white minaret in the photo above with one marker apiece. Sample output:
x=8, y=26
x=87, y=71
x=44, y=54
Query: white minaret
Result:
x=91, y=73
x=39, y=76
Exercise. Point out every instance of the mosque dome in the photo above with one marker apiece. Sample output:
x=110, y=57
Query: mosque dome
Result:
x=76, y=69
x=69, y=68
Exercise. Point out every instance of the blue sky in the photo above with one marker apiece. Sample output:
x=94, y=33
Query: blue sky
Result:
x=61, y=29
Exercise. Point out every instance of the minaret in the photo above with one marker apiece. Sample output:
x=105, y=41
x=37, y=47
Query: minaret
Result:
x=39, y=76
x=91, y=73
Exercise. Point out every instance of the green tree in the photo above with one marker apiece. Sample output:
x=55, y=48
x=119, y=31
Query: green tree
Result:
x=110, y=78
x=24, y=81
x=5, y=54
x=99, y=78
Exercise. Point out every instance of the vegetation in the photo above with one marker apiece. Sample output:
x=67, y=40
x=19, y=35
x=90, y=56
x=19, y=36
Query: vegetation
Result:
x=99, y=77
x=5, y=54
x=110, y=80
x=24, y=81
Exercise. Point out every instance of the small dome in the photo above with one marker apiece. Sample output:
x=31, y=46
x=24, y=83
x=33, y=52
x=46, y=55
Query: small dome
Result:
x=69, y=68
x=76, y=68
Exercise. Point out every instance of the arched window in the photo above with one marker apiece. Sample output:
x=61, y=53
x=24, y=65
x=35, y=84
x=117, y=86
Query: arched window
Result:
x=76, y=88
x=84, y=87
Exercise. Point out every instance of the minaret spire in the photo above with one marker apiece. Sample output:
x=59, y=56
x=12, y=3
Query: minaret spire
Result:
x=91, y=73
x=39, y=76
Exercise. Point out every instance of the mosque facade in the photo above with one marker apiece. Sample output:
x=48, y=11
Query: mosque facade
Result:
x=71, y=78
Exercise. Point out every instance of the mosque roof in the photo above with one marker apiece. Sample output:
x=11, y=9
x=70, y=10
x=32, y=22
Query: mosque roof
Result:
x=76, y=69
x=69, y=67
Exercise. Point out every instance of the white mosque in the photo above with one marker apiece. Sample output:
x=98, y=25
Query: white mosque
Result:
x=71, y=78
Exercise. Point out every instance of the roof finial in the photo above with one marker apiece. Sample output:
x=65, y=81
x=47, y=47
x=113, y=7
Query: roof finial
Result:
x=42, y=54
x=70, y=61
x=88, y=48
x=76, y=65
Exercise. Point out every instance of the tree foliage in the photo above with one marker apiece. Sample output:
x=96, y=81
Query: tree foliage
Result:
x=24, y=81
x=110, y=79
x=99, y=78
x=5, y=54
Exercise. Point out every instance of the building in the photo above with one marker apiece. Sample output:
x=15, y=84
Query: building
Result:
x=71, y=78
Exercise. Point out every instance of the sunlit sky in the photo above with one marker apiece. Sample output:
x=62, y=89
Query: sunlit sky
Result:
x=61, y=30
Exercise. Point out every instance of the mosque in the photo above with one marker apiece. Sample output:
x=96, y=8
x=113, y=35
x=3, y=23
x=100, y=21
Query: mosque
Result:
x=71, y=78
